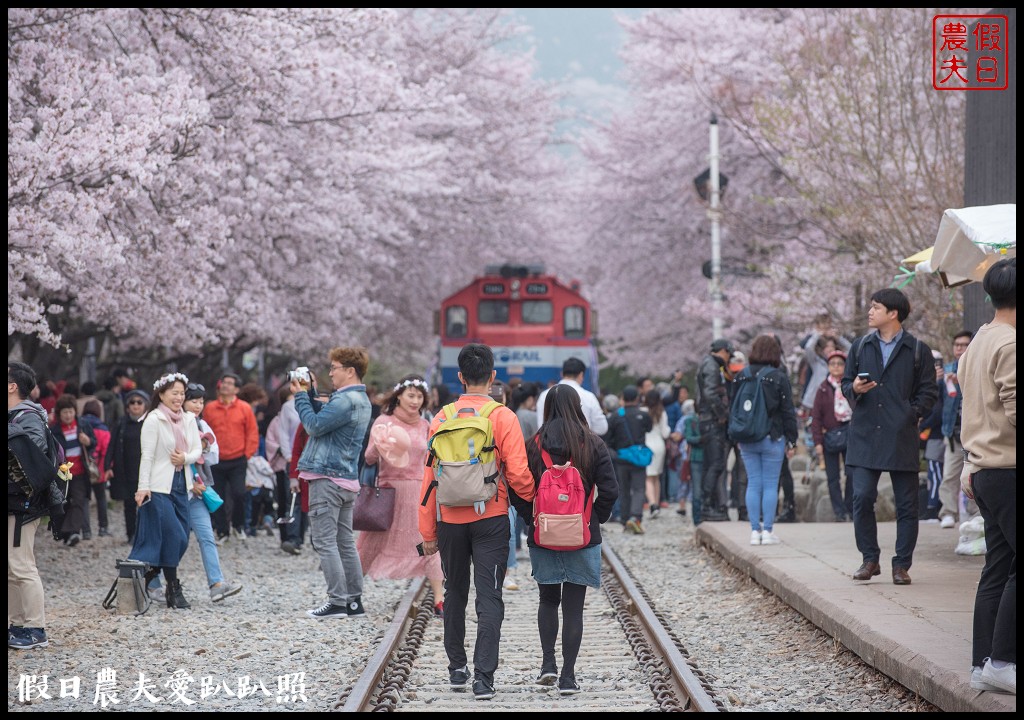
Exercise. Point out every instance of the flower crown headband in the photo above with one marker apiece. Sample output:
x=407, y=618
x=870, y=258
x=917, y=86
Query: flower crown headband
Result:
x=415, y=382
x=168, y=379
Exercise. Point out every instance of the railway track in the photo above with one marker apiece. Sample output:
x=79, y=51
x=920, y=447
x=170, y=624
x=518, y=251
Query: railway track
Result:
x=629, y=660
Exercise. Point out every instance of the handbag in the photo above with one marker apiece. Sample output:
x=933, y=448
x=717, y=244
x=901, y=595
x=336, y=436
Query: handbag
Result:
x=374, y=508
x=639, y=455
x=835, y=439
x=368, y=474
x=212, y=500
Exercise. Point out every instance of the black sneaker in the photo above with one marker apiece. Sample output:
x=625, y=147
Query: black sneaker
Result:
x=459, y=679
x=354, y=608
x=26, y=638
x=547, y=678
x=482, y=690
x=104, y=532
x=568, y=686
x=328, y=610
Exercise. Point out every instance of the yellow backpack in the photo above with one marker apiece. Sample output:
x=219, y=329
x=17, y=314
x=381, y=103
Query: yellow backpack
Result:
x=461, y=452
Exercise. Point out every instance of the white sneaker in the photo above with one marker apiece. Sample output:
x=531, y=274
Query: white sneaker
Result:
x=1004, y=678
x=769, y=538
x=755, y=537
x=948, y=521
x=509, y=583
x=978, y=684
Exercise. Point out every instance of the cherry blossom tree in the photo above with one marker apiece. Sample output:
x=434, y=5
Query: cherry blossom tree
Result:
x=194, y=179
x=835, y=174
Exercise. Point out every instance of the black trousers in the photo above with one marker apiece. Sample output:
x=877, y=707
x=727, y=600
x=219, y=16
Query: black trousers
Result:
x=229, y=482
x=98, y=491
x=484, y=545
x=842, y=502
x=995, y=606
x=76, y=514
x=716, y=447
x=131, y=513
x=632, y=488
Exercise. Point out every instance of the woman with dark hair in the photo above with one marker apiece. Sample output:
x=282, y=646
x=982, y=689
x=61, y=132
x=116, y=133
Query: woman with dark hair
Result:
x=78, y=440
x=124, y=455
x=763, y=459
x=170, y=446
x=655, y=440
x=439, y=396
x=832, y=411
x=564, y=575
x=398, y=446
x=92, y=413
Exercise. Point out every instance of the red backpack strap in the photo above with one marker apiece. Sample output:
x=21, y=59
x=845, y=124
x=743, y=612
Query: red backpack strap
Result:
x=548, y=462
x=544, y=456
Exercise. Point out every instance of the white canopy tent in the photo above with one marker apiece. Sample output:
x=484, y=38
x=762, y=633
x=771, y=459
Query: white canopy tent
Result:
x=969, y=241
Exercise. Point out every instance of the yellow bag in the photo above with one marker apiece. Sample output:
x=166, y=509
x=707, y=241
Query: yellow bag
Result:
x=462, y=453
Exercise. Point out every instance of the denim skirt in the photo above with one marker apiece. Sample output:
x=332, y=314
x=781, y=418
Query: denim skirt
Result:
x=580, y=567
x=162, y=535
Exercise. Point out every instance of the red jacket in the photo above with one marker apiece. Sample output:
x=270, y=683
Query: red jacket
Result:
x=298, y=444
x=823, y=414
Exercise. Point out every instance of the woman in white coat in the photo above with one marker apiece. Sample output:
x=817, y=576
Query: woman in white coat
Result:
x=655, y=440
x=170, y=445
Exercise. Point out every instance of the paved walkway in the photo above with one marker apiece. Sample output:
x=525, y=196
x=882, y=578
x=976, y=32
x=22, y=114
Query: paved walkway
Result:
x=920, y=635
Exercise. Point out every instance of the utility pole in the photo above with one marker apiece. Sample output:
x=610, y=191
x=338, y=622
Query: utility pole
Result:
x=716, y=243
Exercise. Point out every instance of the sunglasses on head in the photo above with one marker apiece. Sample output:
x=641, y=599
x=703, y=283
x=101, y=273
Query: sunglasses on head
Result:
x=197, y=387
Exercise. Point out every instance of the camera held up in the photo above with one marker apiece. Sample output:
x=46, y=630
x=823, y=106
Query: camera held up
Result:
x=301, y=375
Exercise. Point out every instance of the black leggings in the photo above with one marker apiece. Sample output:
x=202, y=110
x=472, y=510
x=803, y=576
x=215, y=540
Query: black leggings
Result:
x=571, y=597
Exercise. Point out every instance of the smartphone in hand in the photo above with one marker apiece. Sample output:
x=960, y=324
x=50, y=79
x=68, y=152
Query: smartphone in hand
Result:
x=419, y=550
x=864, y=376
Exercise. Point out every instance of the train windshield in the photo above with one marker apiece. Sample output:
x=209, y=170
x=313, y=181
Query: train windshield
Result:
x=537, y=312
x=493, y=312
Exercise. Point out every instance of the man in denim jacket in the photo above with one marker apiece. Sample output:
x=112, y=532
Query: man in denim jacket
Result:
x=329, y=463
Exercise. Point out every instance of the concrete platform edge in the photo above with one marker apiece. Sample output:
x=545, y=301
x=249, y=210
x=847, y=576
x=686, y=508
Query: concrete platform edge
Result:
x=944, y=689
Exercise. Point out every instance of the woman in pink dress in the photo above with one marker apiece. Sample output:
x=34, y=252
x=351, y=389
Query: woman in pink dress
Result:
x=398, y=445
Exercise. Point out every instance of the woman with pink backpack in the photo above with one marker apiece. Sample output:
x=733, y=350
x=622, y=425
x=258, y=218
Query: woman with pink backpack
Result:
x=576, y=489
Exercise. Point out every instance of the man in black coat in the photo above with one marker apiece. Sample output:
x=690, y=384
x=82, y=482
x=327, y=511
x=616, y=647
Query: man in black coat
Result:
x=713, y=413
x=890, y=383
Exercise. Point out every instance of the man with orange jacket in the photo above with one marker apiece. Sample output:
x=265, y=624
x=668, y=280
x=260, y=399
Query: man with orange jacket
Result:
x=462, y=535
x=234, y=424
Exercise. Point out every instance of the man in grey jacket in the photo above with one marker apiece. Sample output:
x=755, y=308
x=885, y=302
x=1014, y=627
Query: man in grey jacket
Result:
x=24, y=586
x=890, y=383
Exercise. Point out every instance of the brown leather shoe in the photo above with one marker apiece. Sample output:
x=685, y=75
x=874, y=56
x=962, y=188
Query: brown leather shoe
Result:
x=900, y=576
x=867, y=571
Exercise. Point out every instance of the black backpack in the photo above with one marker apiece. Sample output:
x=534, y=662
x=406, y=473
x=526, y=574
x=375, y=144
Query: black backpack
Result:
x=748, y=416
x=34, y=487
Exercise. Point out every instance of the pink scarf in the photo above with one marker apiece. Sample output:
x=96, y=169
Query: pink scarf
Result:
x=840, y=405
x=177, y=427
x=406, y=416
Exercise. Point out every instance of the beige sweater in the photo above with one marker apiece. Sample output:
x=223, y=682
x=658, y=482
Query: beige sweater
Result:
x=987, y=373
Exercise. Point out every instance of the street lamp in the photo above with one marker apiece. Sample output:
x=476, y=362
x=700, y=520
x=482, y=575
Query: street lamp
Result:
x=711, y=184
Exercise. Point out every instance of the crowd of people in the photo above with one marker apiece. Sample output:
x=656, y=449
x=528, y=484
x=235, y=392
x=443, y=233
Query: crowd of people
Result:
x=225, y=469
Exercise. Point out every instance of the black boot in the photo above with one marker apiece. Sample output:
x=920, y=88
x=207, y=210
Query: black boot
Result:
x=788, y=515
x=175, y=598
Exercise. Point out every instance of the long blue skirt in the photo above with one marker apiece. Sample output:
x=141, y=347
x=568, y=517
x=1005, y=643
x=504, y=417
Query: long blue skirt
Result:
x=162, y=535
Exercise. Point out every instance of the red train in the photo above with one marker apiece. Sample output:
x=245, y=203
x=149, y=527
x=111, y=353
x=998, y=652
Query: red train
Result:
x=531, y=320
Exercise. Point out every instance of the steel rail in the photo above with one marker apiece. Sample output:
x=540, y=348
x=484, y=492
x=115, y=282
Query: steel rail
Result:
x=687, y=685
x=359, y=698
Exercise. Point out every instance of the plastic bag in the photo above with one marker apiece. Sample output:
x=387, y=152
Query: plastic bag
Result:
x=972, y=537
